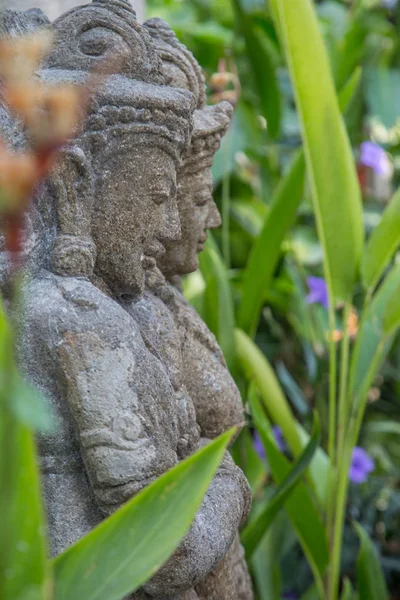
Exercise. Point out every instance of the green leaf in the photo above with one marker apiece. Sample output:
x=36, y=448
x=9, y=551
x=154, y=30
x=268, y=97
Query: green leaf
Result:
x=129, y=547
x=257, y=528
x=23, y=548
x=257, y=369
x=266, y=251
x=374, y=337
x=349, y=90
x=218, y=302
x=370, y=579
x=382, y=244
x=348, y=592
x=30, y=407
x=300, y=506
x=334, y=185
x=262, y=65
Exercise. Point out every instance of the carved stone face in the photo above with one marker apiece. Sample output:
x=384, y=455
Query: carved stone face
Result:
x=198, y=213
x=135, y=213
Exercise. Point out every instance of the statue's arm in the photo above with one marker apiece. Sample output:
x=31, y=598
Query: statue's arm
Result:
x=116, y=391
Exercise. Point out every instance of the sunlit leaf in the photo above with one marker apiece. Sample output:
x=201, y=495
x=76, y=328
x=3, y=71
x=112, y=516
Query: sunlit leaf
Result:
x=299, y=506
x=330, y=163
x=384, y=241
x=218, y=302
x=257, y=528
x=129, y=547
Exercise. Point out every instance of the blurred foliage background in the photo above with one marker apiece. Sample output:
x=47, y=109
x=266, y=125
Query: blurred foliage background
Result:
x=238, y=46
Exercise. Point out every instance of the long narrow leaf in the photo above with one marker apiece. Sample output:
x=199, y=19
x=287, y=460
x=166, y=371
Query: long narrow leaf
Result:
x=128, y=548
x=23, y=548
x=334, y=185
x=382, y=244
x=300, y=507
x=257, y=528
x=370, y=579
x=266, y=251
x=218, y=301
x=280, y=217
x=263, y=69
x=257, y=369
x=373, y=340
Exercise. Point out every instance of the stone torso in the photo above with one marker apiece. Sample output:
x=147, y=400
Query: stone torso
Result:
x=87, y=355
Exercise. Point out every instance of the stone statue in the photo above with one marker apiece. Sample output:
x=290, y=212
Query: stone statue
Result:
x=200, y=363
x=124, y=415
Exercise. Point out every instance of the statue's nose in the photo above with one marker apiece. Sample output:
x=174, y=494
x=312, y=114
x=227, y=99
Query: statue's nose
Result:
x=171, y=230
x=213, y=218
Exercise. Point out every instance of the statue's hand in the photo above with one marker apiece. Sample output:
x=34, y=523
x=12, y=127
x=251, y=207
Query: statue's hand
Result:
x=224, y=508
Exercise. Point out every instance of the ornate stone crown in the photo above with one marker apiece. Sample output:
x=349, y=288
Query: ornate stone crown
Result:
x=89, y=34
x=210, y=125
x=180, y=68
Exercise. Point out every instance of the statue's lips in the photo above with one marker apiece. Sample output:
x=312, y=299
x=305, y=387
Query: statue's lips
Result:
x=201, y=242
x=155, y=249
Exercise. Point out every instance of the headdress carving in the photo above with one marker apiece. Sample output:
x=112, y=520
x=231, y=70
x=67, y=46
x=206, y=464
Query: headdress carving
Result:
x=130, y=101
x=210, y=122
x=87, y=35
x=180, y=67
x=210, y=125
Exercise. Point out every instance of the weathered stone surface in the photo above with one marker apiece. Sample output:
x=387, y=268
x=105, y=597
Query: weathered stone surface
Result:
x=136, y=380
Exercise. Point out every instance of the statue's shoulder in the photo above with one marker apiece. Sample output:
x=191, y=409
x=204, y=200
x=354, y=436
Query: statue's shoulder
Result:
x=56, y=304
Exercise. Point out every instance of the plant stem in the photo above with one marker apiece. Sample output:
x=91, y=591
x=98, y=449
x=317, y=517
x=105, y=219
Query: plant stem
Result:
x=332, y=419
x=343, y=412
x=341, y=498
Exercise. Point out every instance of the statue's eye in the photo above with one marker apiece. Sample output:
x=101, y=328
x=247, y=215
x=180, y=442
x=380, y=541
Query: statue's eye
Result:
x=201, y=199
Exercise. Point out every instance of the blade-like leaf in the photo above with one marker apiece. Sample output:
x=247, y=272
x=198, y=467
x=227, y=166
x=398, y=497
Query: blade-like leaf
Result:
x=370, y=579
x=382, y=244
x=334, y=185
x=262, y=65
x=374, y=338
x=23, y=549
x=257, y=369
x=348, y=592
x=129, y=547
x=218, y=302
x=300, y=506
x=267, y=249
x=256, y=530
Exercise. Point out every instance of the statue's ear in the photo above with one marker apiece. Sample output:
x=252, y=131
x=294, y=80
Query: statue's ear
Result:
x=74, y=252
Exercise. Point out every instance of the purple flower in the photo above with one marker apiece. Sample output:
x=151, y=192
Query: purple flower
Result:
x=375, y=157
x=279, y=439
x=318, y=291
x=290, y=595
x=361, y=466
x=258, y=445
